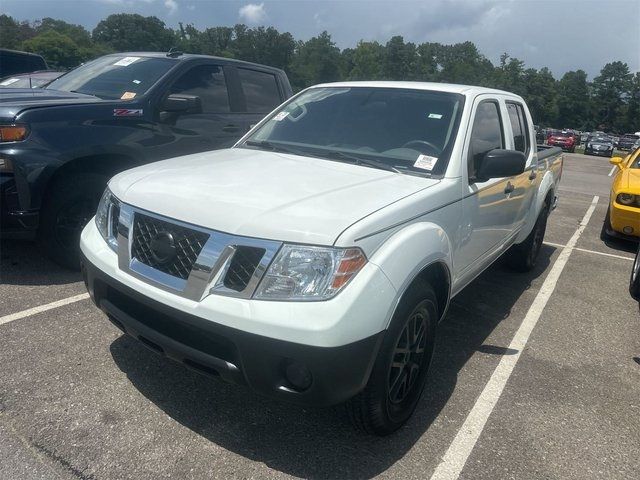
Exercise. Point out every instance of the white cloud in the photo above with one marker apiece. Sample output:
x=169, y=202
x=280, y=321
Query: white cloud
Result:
x=253, y=13
x=191, y=7
x=172, y=5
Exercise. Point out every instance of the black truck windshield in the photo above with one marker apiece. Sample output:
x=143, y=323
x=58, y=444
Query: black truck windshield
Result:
x=114, y=76
x=406, y=130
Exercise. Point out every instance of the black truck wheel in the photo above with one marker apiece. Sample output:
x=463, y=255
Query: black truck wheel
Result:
x=72, y=201
x=400, y=370
x=523, y=256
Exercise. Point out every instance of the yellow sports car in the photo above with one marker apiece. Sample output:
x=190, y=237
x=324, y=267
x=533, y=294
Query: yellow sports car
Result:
x=623, y=217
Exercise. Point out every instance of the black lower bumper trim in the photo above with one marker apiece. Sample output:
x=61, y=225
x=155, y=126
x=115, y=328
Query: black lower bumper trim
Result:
x=337, y=373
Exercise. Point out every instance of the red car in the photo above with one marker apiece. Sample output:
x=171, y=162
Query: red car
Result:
x=564, y=140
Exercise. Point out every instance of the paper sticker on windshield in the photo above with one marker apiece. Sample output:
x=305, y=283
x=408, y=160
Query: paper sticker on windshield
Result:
x=281, y=116
x=9, y=81
x=425, y=162
x=437, y=116
x=137, y=82
x=126, y=61
x=128, y=95
x=127, y=112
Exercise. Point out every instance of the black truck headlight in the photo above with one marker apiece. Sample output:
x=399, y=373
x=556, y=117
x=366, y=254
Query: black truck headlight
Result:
x=107, y=217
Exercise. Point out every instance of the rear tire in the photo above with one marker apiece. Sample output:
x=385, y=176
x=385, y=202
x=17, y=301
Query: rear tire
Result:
x=69, y=205
x=523, y=256
x=400, y=370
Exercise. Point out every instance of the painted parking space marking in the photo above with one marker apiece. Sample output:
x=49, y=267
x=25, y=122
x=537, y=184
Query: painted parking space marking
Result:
x=42, y=308
x=458, y=452
x=586, y=250
x=613, y=169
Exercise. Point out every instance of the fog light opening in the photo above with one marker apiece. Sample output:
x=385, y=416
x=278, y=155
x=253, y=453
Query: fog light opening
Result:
x=628, y=230
x=298, y=376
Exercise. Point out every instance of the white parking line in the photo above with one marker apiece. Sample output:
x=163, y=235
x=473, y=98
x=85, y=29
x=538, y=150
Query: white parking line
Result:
x=458, y=452
x=42, y=308
x=613, y=169
x=557, y=245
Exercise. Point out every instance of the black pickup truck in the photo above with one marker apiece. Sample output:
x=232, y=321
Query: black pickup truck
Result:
x=59, y=145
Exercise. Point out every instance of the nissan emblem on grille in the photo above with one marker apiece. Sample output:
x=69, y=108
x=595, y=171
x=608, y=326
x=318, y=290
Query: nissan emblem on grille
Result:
x=165, y=246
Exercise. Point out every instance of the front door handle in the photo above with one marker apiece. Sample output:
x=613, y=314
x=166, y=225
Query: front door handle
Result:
x=231, y=128
x=533, y=175
x=509, y=188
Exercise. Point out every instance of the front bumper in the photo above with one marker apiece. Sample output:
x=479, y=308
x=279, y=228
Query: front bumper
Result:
x=302, y=374
x=249, y=341
x=14, y=222
x=599, y=153
x=621, y=217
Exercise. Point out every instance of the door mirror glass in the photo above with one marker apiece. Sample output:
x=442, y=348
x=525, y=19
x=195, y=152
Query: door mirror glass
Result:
x=500, y=163
x=178, y=103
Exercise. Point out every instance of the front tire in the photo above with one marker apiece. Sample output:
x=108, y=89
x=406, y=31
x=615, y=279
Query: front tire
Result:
x=523, y=256
x=70, y=204
x=400, y=370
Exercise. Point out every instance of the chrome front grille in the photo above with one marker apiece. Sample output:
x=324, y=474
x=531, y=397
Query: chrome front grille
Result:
x=242, y=266
x=187, y=243
x=188, y=260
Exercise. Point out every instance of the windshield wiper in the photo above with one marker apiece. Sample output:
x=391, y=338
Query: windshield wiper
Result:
x=362, y=161
x=277, y=147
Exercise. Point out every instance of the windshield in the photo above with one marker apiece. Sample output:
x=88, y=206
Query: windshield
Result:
x=411, y=131
x=114, y=76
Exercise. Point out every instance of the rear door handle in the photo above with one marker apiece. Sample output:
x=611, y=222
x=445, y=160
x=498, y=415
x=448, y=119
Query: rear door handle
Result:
x=231, y=128
x=509, y=188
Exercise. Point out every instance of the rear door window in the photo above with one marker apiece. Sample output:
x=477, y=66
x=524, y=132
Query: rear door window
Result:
x=486, y=134
x=207, y=82
x=519, y=127
x=260, y=90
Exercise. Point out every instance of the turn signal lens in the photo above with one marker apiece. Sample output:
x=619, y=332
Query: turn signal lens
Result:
x=13, y=133
x=350, y=264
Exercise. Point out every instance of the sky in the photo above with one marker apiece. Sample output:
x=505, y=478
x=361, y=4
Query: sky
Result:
x=560, y=34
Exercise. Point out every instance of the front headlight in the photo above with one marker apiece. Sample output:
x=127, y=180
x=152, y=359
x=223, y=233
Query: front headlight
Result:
x=107, y=219
x=307, y=273
x=626, y=199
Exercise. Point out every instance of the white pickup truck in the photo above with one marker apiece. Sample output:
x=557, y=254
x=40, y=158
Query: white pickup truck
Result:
x=314, y=259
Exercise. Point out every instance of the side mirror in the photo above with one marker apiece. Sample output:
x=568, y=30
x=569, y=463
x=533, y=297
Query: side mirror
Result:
x=177, y=103
x=499, y=163
x=616, y=161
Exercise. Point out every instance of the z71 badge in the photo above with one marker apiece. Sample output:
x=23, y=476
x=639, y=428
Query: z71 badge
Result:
x=127, y=112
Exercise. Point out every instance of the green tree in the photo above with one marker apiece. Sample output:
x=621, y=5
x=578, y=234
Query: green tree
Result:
x=315, y=61
x=573, y=100
x=611, y=91
x=131, y=32
x=13, y=33
x=399, y=60
x=633, y=108
x=426, y=64
x=463, y=63
x=367, y=62
x=541, y=96
x=58, y=50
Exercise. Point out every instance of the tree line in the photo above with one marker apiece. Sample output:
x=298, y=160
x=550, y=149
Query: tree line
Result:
x=610, y=102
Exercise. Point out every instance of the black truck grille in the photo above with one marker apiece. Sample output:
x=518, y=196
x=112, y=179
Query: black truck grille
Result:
x=242, y=267
x=187, y=244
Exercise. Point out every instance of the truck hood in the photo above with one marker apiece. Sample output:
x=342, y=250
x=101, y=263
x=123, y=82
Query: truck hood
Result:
x=264, y=194
x=14, y=100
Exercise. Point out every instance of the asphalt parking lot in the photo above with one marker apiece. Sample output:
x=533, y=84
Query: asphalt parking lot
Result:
x=535, y=376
